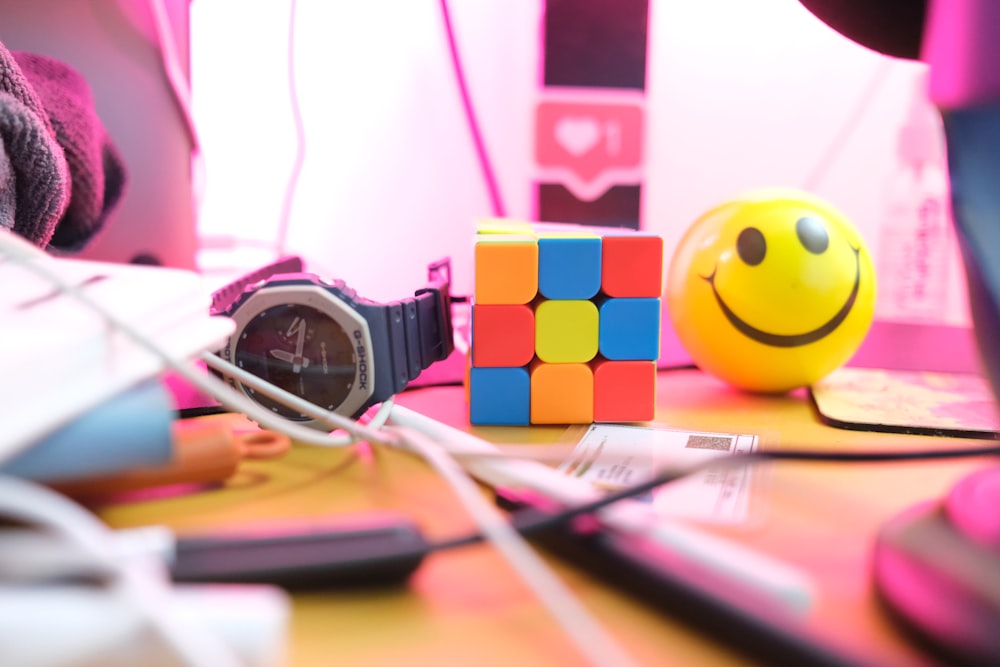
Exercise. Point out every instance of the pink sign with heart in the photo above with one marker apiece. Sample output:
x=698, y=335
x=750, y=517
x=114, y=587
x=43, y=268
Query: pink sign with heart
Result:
x=588, y=138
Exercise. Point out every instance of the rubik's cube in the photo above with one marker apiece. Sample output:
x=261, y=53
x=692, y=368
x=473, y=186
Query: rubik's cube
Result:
x=565, y=324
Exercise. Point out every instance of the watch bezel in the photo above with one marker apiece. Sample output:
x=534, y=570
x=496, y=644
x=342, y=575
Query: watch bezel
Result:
x=324, y=300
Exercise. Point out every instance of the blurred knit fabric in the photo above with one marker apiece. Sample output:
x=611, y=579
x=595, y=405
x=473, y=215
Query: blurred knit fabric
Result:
x=60, y=174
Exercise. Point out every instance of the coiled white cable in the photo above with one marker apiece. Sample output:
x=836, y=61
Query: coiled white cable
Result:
x=586, y=633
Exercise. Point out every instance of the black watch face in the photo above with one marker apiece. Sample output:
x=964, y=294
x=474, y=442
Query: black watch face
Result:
x=301, y=350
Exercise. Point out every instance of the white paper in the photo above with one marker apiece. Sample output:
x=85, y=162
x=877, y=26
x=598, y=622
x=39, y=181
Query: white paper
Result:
x=613, y=456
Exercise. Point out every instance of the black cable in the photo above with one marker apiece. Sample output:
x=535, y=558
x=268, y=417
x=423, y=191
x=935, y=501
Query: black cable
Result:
x=204, y=411
x=564, y=515
x=386, y=551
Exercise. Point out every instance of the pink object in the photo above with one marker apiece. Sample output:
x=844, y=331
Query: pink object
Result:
x=972, y=506
x=962, y=49
x=588, y=138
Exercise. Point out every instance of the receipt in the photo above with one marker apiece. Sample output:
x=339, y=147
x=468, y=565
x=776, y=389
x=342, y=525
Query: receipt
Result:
x=614, y=456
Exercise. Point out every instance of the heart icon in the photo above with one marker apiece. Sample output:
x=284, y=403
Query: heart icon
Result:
x=577, y=135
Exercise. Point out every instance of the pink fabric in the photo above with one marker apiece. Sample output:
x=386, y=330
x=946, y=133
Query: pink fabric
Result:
x=60, y=174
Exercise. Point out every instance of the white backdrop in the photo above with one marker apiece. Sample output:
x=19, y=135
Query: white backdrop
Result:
x=741, y=93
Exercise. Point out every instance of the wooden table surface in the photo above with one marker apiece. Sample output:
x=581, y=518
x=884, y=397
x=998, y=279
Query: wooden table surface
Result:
x=468, y=607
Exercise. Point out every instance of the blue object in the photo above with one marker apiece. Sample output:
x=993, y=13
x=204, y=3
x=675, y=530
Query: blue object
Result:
x=630, y=329
x=973, y=141
x=500, y=396
x=130, y=430
x=569, y=267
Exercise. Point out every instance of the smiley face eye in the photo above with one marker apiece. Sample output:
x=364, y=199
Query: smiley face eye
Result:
x=751, y=246
x=812, y=235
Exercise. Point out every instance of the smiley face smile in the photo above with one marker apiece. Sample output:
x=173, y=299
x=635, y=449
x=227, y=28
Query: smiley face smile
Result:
x=791, y=340
x=791, y=290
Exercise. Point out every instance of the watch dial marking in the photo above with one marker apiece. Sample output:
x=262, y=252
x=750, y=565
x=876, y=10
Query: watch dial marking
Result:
x=301, y=350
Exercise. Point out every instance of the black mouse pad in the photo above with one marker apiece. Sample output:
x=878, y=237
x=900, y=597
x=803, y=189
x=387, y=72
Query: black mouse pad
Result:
x=916, y=402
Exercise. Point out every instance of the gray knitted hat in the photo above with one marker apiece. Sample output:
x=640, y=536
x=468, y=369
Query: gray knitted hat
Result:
x=60, y=174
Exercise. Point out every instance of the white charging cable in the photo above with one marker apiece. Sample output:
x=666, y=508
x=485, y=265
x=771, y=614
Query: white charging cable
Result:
x=585, y=632
x=32, y=504
x=587, y=635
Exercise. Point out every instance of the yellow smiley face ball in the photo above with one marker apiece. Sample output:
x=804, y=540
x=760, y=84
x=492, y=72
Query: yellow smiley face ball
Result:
x=771, y=290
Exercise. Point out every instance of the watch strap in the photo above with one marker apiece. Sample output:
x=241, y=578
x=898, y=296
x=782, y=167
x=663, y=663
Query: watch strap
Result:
x=406, y=336
x=418, y=331
x=224, y=297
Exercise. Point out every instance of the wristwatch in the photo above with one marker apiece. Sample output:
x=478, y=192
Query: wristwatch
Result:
x=321, y=341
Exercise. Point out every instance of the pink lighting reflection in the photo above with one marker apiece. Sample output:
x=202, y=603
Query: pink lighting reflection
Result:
x=963, y=50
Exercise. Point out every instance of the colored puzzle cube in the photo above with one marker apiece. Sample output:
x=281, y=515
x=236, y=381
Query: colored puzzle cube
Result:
x=508, y=264
x=569, y=266
x=565, y=324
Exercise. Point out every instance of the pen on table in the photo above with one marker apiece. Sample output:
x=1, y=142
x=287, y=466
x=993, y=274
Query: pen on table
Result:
x=204, y=452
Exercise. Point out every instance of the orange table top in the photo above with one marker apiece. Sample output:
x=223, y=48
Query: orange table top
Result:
x=467, y=606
